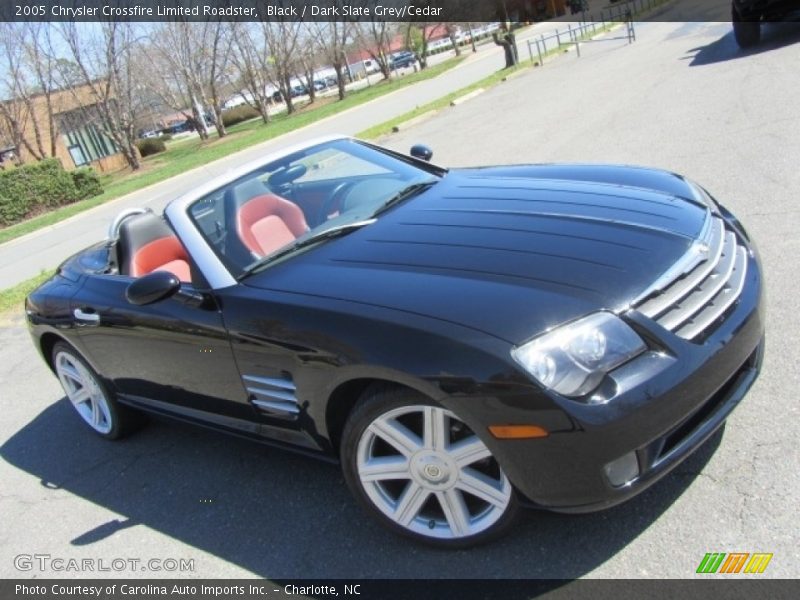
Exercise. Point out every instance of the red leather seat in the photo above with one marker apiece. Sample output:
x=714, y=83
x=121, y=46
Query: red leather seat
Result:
x=147, y=244
x=163, y=254
x=268, y=222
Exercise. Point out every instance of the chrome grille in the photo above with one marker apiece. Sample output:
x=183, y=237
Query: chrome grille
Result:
x=699, y=294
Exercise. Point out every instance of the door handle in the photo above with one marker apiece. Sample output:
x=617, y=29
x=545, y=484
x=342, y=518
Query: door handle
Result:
x=86, y=318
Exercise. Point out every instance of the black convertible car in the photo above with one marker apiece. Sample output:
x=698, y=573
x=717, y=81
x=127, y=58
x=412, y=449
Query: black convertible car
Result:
x=463, y=341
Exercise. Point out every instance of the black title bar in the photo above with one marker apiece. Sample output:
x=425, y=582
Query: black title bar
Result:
x=430, y=11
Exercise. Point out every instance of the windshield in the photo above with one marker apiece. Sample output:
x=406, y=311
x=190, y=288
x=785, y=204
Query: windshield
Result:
x=304, y=199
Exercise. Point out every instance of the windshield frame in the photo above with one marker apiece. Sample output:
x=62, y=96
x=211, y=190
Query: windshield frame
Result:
x=209, y=262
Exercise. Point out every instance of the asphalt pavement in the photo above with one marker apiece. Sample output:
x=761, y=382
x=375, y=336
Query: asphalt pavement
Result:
x=684, y=98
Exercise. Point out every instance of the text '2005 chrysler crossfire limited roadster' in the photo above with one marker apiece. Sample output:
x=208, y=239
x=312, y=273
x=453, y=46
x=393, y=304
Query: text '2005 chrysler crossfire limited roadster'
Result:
x=464, y=342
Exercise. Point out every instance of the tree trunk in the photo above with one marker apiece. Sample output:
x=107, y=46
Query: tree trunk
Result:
x=220, y=126
x=385, y=70
x=339, y=79
x=262, y=106
x=287, y=94
x=131, y=155
x=455, y=43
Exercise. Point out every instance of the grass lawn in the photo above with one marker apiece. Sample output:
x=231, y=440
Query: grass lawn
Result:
x=184, y=155
x=11, y=299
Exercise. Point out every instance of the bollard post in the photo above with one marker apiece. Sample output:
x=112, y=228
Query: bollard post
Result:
x=539, y=50
x=558, y=38
x=530, y=51
x=578, y=47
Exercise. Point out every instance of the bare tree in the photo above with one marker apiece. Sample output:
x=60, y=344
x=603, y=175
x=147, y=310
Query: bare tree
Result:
x=108, y=93
x=308, y=58
x=39, y=59
x=418, y=37
x=251, y=60
x=332, y=39
x=27, y=80
x=217, y=42
x=452, y=30
x=13, y=116
x=179, y=63
x=376, y=37
x=282, y=41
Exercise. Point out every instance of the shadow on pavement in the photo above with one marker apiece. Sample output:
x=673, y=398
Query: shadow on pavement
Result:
x=773, y=37
x=281, y=515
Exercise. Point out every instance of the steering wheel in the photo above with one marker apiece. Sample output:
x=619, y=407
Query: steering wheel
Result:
x=333, y=202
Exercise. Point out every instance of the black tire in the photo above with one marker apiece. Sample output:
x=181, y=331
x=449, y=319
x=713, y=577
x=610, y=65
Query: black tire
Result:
x=433, y=522
x=100, y=411
x=746, y=32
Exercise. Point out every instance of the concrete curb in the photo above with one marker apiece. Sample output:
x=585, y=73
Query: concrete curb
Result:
x=466, y=97
x=415, y=121
x=514, y=75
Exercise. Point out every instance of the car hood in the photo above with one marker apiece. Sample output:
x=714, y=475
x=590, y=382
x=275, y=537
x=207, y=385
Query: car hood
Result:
x=509, y=251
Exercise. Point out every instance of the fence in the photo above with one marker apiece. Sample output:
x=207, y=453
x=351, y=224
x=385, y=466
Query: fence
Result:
x=590, y=26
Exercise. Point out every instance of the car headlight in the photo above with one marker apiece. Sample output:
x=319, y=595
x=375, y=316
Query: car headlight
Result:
x=574, y=358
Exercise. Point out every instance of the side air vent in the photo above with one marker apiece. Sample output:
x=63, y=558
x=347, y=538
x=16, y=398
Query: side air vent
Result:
x=272, y=395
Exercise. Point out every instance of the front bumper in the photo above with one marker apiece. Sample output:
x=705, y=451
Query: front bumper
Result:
x=662, y=406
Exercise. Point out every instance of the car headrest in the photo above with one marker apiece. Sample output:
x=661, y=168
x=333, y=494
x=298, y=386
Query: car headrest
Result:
x=134, y=233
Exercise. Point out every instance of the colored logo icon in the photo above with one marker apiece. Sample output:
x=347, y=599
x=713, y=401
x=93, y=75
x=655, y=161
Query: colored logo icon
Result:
x=734, y=562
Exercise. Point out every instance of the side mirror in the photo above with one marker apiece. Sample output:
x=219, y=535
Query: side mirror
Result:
x=153, y=287
x=422, y=152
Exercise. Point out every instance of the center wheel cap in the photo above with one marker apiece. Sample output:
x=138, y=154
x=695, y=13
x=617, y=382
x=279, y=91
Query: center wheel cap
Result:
x=433, y=470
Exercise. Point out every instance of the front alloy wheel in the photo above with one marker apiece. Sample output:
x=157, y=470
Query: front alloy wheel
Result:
x=425, y=473
x=90, y=398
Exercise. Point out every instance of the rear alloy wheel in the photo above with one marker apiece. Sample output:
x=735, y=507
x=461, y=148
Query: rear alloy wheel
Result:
x=90, y=398
x=424, y=473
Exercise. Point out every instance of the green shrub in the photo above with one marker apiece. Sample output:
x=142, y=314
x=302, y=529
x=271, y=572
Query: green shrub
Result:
x=150, y=146
x=30, y=188
x=238, y=114
x=165, y=137
x=87, y=182
x=12, y=210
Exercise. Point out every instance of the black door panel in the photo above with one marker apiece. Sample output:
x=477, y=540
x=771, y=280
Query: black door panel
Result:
x=167, y=351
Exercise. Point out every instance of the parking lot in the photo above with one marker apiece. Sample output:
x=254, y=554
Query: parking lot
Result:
x=684, y=98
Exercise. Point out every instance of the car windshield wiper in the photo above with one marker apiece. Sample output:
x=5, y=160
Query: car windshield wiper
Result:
x=404, y=194
x=311, y=240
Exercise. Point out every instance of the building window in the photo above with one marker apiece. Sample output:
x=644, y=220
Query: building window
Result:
x=84, y=139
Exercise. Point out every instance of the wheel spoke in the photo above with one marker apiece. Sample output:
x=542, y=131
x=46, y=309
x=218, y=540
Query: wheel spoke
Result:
x=97, y=413
x=455, y=511
x=468, y=451
x=397, y=435
x=410, y=503
x=435, y=434
x=481, y=486
x=80, y=396
x=384, y=467
x=69, y=371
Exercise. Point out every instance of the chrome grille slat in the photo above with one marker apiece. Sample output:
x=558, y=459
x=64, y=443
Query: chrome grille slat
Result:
x=682, y=287
x=721, y=302
x=694, y=300
x=712, y=284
